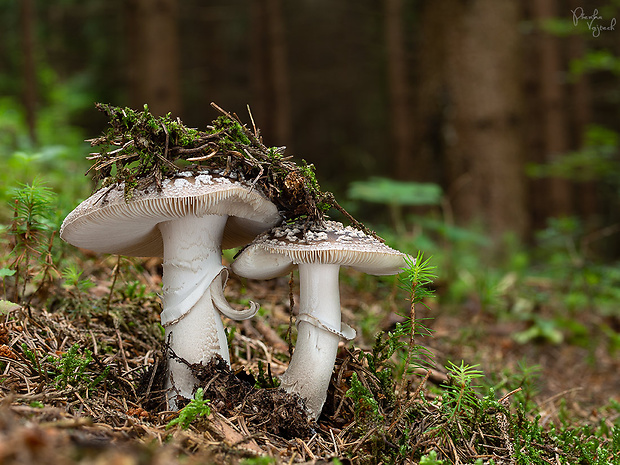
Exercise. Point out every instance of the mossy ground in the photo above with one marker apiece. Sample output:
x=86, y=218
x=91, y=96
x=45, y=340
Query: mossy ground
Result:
x=117, y=419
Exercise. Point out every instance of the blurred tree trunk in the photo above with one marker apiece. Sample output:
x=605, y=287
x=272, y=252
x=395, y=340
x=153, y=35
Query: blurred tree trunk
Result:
x=581, y=116
x=552, y=105
x=400, y=115
x=259, y=76
x=482, y=135
x=29, y=70
x=153, y=58
x=271, y=105
x=428, y=95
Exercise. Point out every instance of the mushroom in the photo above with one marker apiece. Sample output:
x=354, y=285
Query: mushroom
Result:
x=319, y=250
x=187, y=222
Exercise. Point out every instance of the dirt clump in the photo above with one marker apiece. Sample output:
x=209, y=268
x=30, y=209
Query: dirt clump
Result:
x=270, y=410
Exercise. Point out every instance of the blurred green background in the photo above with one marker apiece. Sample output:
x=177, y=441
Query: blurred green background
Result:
x=485, y=133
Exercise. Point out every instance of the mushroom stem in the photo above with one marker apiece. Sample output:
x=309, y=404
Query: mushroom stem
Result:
x=312, y=363
x=192, y=260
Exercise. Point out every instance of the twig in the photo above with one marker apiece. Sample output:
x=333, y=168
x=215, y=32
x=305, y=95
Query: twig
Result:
x=99, y=166
x=205, y=157
x=182, y=150
x=151, y=379
x=115, y=273
x=95, y=155
x=506, y=396
x=236, y=118
x=411, y=346
x=329, y=198
x=49, y=263
x=121, y=348
x=167, y=141
x=415, y=395
x=502, y=422
x=252, y=119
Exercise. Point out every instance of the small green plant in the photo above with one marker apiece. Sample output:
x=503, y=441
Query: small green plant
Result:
x=431, y=459
x=32, y=357
x=541, y=329
x=68, y=369
x=459, y=395
x=416, y=278
x=32, y=233
x=78, y=301
x=367, y=409
x=134, y=291
x=72, y=369
x=262, y=460
x=266, y=380
x=73, y=280
x=375, y=403
x=6, y=307
x=197, y=407
x=524, y=377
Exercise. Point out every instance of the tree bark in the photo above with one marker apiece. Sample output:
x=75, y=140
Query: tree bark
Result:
x=557, y=194
x=29, y=68
x=482, y=134
x=581, y=116
x=154, y=55
x=259, y=76
x=279, y=72
x=428, y=93
x=401, y=124
x=271, y=103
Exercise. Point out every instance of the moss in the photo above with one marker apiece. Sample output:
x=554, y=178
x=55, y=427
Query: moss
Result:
x=274, y=153
x=139, y=149
x=233, y=134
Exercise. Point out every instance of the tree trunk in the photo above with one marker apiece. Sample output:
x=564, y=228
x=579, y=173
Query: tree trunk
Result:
x=29, y=69
x=279, y=73
x=259, y=75
x=581, y=116
x=428, y=94
x=551, y=103
x=271, y=103
x=482, y=135
x=154, y=55
x=400, y=121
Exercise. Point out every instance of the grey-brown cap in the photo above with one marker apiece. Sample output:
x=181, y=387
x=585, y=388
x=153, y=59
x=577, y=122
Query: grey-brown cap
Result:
x=277, y=251
x=106, y=222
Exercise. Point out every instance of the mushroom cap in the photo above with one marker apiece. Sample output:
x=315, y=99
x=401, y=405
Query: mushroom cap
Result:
x=275, y=252
x=106, y=222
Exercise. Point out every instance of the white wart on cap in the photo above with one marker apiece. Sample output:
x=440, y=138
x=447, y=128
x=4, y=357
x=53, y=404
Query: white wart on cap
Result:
x=319, y=250
x=277, y=251
x=187, y=222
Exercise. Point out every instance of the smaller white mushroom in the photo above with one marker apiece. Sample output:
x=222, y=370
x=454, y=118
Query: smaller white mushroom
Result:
x=319, y=254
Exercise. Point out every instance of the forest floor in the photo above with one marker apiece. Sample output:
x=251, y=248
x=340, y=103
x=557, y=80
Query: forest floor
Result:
x=81, y=379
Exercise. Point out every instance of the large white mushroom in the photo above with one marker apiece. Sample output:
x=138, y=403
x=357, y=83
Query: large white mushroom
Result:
x=319, y=250
x=187, y=222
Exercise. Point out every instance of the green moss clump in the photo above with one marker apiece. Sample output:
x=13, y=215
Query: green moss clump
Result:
x=233, y=134
x=140, y=149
